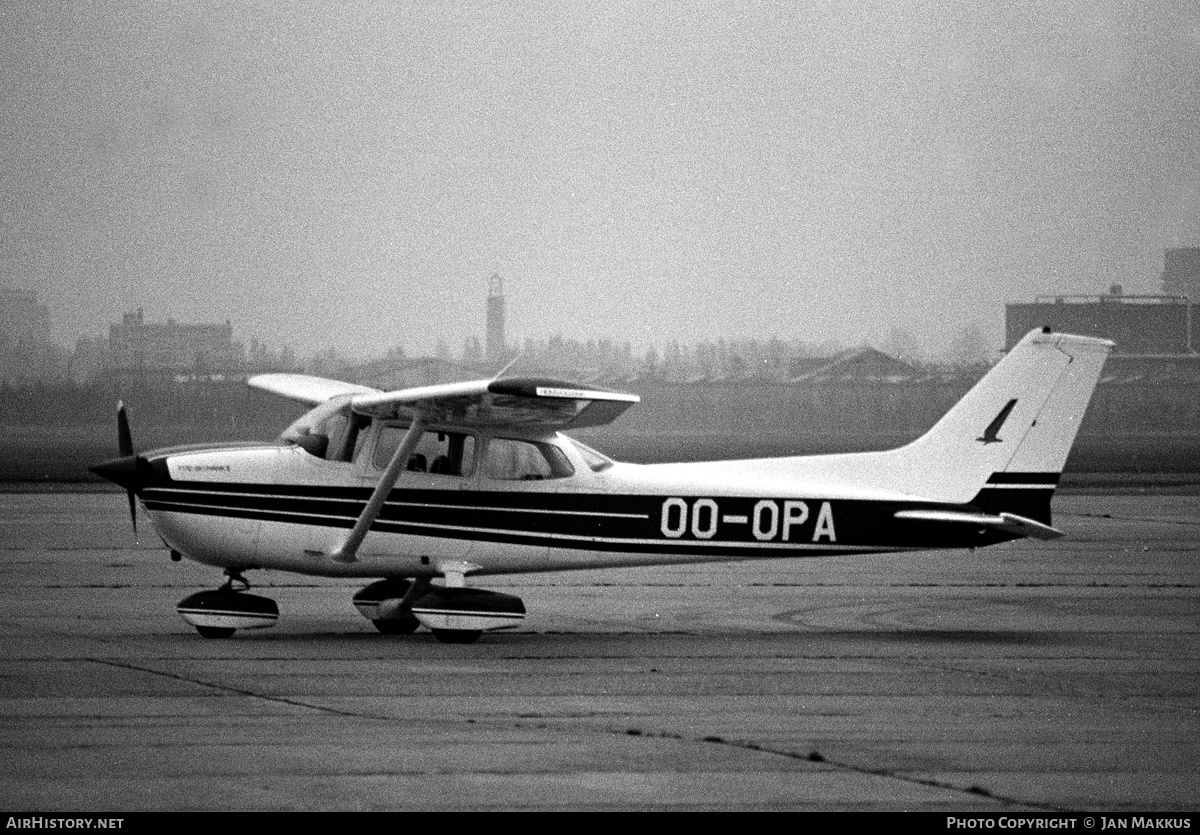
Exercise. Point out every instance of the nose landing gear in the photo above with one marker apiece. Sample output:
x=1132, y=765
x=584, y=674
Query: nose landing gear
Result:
x=219, y=613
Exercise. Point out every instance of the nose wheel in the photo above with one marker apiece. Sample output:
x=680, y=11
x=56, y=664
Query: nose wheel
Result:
x=219, y=613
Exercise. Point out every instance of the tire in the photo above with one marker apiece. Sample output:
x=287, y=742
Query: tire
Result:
x=457, y=636
x=215, y=631
x=402, y=626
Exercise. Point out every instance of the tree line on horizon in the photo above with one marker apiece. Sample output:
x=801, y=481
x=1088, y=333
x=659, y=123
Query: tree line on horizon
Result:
x=558, y=355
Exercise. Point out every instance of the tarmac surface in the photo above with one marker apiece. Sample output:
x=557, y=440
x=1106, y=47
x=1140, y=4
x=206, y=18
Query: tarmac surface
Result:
x=1034, y=677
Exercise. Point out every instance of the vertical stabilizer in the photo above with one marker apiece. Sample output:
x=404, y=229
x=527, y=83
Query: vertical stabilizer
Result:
x=1021, y=418
x=1012, y=430
x=1002, y=447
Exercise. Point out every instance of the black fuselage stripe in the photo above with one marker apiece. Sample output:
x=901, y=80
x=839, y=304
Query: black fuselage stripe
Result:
x=183, y=496
x=630, y=523
x=639, y=546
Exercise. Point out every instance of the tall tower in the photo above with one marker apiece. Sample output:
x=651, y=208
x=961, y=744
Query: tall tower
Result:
x=497, y=348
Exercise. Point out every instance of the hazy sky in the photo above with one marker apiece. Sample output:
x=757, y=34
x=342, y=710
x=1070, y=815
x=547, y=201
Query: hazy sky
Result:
x=350, y=174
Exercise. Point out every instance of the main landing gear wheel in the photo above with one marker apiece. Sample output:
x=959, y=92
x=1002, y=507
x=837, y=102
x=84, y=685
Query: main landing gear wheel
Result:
x=457, y=636
x=457, y=615
x=454, y=614
x=387, y=605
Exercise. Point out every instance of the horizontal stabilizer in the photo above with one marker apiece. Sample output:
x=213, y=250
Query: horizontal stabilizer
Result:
x=1010, y=522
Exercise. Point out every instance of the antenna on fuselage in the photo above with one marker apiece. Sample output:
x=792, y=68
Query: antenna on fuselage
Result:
x=507, y=366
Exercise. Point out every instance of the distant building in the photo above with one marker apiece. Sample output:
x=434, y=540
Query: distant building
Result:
x=172, y=349
x=24, y=323
x=497, y=346
x=90, y=359
x=1158, y=324
x=1181, y=273
x=856, y=365
x=27, y=351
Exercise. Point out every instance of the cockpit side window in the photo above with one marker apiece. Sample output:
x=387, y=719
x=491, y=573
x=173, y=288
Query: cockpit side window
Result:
x=330, y=431
x=512, y=460
x=437, y=453
x=346, y=434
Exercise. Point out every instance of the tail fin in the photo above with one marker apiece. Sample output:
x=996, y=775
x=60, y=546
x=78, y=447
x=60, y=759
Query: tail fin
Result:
x=1002, y=447
x=1005, y=443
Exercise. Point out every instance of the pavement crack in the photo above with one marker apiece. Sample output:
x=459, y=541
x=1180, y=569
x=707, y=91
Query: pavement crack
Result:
x=815, y=756
x=240, y=691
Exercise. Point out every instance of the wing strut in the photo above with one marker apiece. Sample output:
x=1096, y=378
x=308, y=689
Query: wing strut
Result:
x=348, y=550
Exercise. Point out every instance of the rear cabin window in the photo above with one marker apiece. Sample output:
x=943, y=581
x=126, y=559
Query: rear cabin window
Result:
x=437, y=453
x=513, y=460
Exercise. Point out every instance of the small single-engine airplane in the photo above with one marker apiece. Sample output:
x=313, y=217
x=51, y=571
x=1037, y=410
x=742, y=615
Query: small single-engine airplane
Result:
x=468, y=479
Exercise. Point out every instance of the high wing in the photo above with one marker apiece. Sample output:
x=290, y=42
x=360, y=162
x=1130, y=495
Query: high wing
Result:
x=524, y=402
x=306, y=388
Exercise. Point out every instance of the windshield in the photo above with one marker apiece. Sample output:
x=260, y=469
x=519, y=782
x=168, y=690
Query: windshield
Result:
x=312, y=431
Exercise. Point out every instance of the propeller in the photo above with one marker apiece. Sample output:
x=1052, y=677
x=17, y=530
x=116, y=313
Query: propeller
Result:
x=124, y=436
x=126, y=470
x=125, y=447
